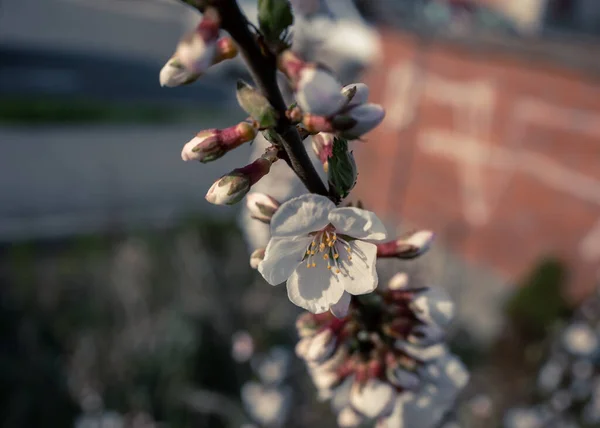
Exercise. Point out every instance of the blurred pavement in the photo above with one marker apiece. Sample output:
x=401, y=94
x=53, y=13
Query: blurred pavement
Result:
x=57, y=181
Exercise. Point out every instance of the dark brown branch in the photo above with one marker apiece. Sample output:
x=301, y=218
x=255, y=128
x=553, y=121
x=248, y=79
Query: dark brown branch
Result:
x=263, y=67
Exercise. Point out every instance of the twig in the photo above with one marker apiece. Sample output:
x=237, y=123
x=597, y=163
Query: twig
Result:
x=263, y=67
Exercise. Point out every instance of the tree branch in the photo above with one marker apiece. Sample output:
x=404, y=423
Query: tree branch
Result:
x=263, y=68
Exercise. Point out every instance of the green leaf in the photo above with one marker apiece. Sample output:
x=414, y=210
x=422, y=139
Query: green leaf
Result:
x=256, y=105
x=274, y=17
x=342, y=172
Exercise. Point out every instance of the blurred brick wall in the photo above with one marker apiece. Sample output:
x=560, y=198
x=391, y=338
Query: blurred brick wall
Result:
x=496, y=152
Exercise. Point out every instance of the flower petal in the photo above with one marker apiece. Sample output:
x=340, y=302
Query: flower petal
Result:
x=340, y=309
x=301, y=215
x=314, y=289
x=357, y=223
x=282, y=256
x=359, y=276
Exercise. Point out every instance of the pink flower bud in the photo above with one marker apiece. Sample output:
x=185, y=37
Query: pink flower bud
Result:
x=261, y=206
x=315, y=124
x=318, y=92
x=322, y=145
x=291, y=65
x=256, y=257
x=367, y=117
x=175, y=73
x=225, y=49
x=232, y=187
x=212, y=144
x=407, y=247
x=197, y=49
x=357, y=93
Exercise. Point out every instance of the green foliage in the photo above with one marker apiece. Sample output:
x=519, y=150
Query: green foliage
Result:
x=342, y=171
x=538, y=302
x=274, y=17
x=256, y=105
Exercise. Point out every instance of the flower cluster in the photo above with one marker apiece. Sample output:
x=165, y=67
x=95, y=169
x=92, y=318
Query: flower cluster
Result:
x=378, y=354
x=385, y=361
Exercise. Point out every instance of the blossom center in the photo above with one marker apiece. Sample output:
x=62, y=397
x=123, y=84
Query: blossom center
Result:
x=329, y=246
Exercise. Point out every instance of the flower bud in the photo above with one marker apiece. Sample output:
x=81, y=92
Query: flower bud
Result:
x=291, y=65
x=315, y=124
x=261, y=206
x=197, y=49
x=175, y=74
x=408, y=247
x=367, y=117
x=256, y=257
x=232, y=187
x=398, y=282
x=349, y=418
x=225, y=49
x=318, y=92
x=322, y=145
x=212, y=144
x=342, y=172
x=356, y=93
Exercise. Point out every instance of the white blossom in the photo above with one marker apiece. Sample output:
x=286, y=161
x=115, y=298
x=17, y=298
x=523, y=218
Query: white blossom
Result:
x=367, y=117
x=360, y=96
x=322, y=252
x=433, y=306
x=374, y=399
x=318, y=92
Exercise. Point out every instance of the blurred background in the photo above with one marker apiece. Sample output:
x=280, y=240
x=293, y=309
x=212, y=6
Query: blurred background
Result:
x=127, y=300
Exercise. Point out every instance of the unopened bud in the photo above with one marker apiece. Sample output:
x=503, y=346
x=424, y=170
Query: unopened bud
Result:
x=226, y=49
x=256, y=257
x=232, y=187
x=407, y=247
x=349, y=418
x=322, y=145
x=212, y=144
x=367, y=117
x=291, y=65
x=356, y=93
x=174, y=73
x=197, y=49
x=261, y=206
x=318, y=92
x=315, y=124
x=398, y=281
x=342, y=172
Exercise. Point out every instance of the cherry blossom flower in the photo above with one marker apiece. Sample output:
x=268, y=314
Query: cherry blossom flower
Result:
x=322, y=252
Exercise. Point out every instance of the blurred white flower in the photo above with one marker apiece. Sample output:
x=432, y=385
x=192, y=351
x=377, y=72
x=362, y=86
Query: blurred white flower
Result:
x=268, y=406
x=580, y=340
x=322, y=251
x=433, y=306
x=242, y=346
x=374, y=399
